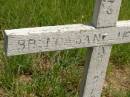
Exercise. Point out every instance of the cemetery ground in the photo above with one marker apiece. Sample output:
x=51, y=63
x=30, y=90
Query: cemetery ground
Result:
x=56, y=74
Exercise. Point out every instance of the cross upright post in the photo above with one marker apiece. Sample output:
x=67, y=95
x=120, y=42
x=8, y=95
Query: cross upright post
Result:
x=105, y=15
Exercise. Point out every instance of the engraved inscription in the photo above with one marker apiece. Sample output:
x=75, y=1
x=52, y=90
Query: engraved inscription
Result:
x=31, y=43
x=97, y=37
x=107, y=5
x=83, y=39
x=21, y=44
x=88, y=39
x=124, y=35
x=109, y=10
x=47, y=42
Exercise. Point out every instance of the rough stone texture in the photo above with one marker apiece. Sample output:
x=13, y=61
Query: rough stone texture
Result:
x=31, y=40
x=105, y=16
x=95, y=71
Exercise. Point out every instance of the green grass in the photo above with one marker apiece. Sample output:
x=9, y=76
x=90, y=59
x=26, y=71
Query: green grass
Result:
x=54, y=74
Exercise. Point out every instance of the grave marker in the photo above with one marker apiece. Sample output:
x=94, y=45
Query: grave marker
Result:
x=100, y=37
x=105, y=15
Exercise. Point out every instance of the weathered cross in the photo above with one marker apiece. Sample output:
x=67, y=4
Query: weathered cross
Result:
x=104, y=32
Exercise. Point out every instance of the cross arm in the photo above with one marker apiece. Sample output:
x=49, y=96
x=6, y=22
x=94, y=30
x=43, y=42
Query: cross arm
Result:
x=52, y=38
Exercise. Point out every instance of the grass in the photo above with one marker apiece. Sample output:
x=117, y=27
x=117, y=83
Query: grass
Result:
x=54, y=74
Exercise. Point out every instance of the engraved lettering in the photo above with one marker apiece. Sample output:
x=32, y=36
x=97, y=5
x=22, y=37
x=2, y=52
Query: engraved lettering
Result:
x=119, y=34
x=96, y=78
x=22, y=44
x=78, y=41
x=31, y=43
x=109, y=11
x=96, y=37
x=107, y=5
x=125, y=35
x=88, y=39
x=104, y=36
x=56, y=42
x=47, y=43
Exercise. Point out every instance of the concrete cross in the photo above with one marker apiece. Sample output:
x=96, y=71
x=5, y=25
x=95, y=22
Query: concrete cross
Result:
x=99, y=37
